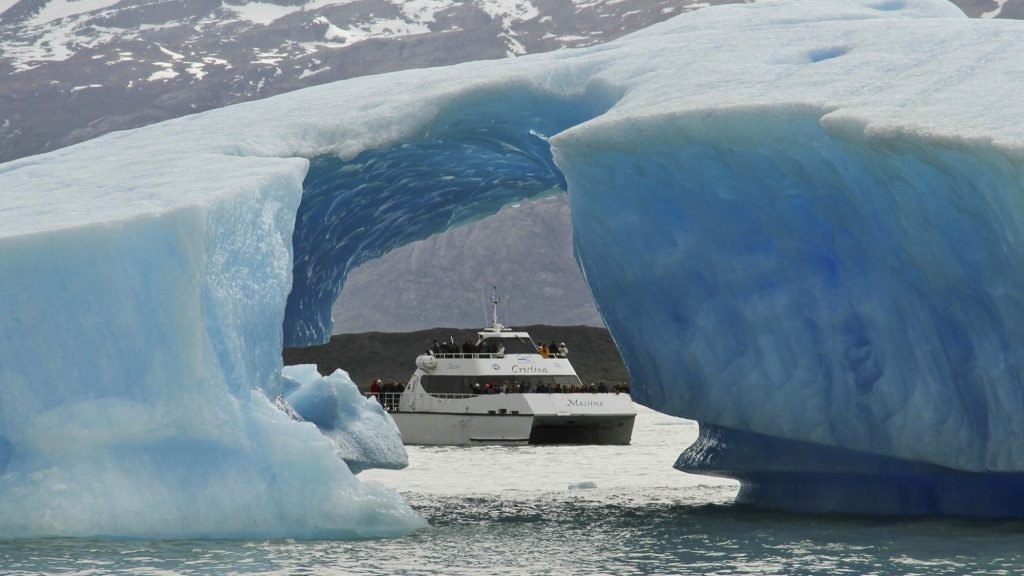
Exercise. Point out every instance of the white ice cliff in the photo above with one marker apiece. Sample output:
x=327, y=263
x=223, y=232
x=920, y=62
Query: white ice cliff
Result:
x=802, y=222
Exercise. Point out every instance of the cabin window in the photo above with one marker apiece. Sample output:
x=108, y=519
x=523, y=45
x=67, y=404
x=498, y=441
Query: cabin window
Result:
x=448, y=384
x=464, y=384
x=519, y=345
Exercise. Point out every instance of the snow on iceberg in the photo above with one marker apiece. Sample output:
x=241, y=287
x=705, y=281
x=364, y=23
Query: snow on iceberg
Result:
x=800, y=221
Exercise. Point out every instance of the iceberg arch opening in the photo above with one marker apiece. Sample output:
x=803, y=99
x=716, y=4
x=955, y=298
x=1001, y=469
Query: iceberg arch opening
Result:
x=485, y=150
x=845, y=280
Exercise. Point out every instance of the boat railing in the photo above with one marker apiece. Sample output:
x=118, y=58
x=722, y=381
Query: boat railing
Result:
x=465, y=355
x=471, y=355
x=424, y=401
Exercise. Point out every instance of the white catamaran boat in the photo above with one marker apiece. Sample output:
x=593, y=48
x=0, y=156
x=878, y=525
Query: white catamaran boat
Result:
x=504, y=391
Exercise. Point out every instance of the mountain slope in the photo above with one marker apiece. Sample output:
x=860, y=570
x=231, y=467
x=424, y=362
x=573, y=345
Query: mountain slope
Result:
x=75, y=69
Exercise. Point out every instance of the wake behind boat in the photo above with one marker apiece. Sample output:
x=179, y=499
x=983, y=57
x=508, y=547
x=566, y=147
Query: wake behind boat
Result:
x=505, y=389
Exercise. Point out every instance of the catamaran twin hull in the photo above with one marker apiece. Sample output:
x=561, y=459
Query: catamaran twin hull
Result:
x=542, y=418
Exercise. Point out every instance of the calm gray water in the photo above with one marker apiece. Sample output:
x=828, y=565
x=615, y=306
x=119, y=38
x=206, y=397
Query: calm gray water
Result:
x=568, y=510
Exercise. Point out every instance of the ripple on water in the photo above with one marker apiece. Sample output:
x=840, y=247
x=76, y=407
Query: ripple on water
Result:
x=511, y=511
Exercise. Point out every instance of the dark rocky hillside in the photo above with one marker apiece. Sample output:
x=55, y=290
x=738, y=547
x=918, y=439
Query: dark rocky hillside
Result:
x=391, y=356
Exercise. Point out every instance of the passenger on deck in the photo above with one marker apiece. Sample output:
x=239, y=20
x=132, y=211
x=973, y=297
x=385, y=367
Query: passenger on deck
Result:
x=553, y=349
x=563, y=350
x=543, y=350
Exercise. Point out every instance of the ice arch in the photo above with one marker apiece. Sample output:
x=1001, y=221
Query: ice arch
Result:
x=797, y=231
x=483, y=151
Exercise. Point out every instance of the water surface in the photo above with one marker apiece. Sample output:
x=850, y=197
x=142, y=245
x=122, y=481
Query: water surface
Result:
x=568, y=510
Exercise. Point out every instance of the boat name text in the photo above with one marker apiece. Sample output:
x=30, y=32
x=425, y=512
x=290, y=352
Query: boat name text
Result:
x=528, y=370
x=584, y=403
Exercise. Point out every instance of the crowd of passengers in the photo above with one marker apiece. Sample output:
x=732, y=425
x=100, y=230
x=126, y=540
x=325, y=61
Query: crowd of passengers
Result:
x=386, y=393
x=494, y=346
x=515, y=387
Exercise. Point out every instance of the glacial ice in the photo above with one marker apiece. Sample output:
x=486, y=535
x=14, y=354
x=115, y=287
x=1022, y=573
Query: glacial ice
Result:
x=365, y=436
x=801, y=222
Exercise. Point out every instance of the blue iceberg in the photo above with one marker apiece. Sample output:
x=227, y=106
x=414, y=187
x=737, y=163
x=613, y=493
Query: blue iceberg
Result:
x=364, y=435
x=800, y=221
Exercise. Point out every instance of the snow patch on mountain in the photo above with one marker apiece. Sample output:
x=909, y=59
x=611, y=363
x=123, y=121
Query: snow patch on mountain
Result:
x=378, y=28
x=262, y=13
x=59, y=29
x=59, y=9
x=166, y=72
x=510, y=11
x=423, y=11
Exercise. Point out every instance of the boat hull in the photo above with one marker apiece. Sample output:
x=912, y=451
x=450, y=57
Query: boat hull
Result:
x=435, y=429
x=515, y=419
x=582, y=429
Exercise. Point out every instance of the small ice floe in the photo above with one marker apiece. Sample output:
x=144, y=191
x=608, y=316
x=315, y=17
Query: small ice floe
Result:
x=582, y=486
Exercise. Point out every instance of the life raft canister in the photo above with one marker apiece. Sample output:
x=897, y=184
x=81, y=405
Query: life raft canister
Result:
x=426, y=362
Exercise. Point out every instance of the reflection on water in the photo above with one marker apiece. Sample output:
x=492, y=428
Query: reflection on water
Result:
x=484, y=536
x=524, y=510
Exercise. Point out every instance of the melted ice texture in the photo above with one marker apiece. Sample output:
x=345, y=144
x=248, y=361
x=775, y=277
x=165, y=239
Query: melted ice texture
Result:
x=801, y=219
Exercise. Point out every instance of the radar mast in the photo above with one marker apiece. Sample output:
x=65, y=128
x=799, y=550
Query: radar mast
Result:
x=495, y=300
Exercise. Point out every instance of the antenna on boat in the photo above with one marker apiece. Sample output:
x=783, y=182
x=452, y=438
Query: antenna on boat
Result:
x=495, y=300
